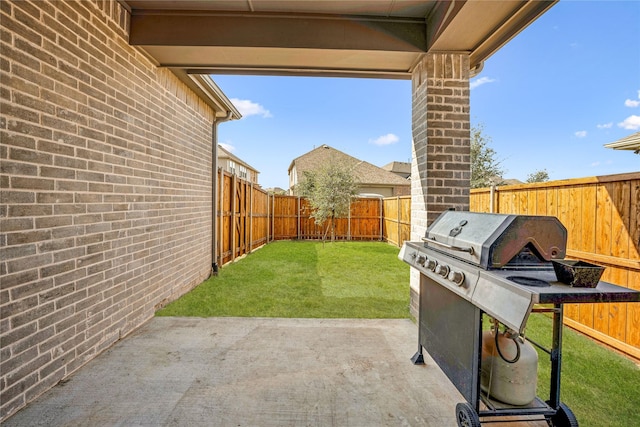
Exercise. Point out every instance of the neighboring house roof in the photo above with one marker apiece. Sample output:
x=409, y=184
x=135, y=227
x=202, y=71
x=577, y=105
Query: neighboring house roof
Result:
x=511, y=181
x=402, y=169
x=224, y=154
x=631, y=142
x=276, y=190
x=498, y=180
x=365, y=173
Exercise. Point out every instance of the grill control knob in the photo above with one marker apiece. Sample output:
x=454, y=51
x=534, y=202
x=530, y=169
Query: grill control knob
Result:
x=456, y=277
x=431, y=264
x=421, y=259
x=442, y=270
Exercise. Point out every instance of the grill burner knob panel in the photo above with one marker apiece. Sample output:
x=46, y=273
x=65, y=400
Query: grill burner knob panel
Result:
x=431, y=264
x=456, y=277
x=442, y=270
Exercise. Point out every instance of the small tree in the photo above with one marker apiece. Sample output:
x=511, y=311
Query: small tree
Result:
x=485, y=168
x=329, y=189
x=538, y=176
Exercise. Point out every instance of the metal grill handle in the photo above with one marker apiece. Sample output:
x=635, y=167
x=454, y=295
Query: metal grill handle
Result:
x=453, y=248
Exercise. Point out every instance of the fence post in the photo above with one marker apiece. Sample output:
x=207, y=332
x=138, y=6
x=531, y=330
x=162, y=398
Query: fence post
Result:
x=251, y=219
x=298, y=215
x=218, y=214
x=492, y=191
x=349, y=221
x=221, y=216
x=398, y=221
x=268, y=220
x=233, y=217
x=381, y=220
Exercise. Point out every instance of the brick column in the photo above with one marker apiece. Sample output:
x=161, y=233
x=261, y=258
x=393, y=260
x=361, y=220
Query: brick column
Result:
x=440, y=167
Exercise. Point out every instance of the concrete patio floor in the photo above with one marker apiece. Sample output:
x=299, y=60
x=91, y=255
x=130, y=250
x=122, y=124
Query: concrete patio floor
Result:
x=255, y=372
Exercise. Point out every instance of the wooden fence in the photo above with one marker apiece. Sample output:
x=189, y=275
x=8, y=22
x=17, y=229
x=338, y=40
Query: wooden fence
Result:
x=291, y=219
x=602, y=217
x=249, y=217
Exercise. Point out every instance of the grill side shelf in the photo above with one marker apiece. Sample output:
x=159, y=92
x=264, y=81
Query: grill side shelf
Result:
x=559, y=292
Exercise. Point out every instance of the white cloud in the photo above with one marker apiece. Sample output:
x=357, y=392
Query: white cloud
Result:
x=581, y=133
x=479, y=82
x=230, y=148
x=249, y=108
x=631, y=103
x=632, y=123
x=605, y=125
x=387, y=139
x=599, y=163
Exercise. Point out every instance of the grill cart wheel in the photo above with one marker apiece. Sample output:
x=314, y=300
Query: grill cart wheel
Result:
x=467, y=416
x=564, y=417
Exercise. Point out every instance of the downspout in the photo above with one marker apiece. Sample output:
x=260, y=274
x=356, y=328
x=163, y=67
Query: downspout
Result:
x=214, y=185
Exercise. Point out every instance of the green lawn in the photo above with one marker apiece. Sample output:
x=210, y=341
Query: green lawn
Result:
x=305, y=279
x=366, y=280
x=601, y=387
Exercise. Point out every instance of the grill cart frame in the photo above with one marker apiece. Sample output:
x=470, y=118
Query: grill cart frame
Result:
x=462, y=363
x=450, y=329
x=475, y=265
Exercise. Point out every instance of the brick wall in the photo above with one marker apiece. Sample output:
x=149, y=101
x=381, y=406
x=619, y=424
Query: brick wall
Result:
x=106, y=189
x=441, y=160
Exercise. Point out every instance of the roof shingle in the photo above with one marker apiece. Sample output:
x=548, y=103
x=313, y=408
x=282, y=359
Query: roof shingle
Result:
x=365, y=173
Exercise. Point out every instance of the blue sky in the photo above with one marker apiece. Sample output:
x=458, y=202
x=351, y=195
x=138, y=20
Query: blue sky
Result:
x=549, y=99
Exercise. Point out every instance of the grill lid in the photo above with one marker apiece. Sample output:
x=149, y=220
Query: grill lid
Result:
x=495, y=240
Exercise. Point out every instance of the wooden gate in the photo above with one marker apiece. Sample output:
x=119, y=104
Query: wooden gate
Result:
x=243, y=217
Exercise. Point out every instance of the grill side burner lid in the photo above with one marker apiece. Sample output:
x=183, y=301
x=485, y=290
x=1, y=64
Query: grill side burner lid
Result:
x=493, y=240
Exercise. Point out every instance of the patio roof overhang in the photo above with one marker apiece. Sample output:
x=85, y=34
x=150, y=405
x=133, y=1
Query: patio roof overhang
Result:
x=379, y=38
x=631, y=142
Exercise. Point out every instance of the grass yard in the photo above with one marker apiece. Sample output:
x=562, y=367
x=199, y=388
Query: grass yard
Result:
x=305, y=279
x=366, y=280
x=601, y=387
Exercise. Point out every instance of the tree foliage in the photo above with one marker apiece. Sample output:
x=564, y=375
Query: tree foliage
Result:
x=538, y=176
x=329, y=189
x=485, y=167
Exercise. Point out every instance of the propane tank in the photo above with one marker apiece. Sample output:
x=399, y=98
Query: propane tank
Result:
x=509, y=367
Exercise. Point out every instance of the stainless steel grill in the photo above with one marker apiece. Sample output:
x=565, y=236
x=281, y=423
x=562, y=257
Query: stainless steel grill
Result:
x=501, y=263
x=473, y=264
